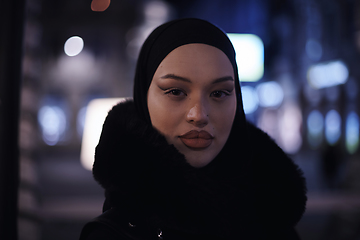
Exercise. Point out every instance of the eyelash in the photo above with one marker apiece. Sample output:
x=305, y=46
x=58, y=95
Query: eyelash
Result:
x=227, y=93
x=172, y=91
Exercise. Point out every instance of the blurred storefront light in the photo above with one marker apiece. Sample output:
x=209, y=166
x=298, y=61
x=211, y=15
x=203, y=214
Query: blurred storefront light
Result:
x=352, y=132
x=270, y=94
x=250, y=99
x=96, y=113
x=328, y=74
x=332, y=127
x=249, y=50
x=73, y=46
x=315, y=126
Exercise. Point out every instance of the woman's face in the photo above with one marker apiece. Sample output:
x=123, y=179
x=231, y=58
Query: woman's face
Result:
x=192, y=101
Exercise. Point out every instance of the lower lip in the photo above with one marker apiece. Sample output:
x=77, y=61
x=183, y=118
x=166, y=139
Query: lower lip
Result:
x=196, y=143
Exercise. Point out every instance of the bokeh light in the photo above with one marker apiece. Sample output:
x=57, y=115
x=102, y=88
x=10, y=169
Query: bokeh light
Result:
x=328, y=74
x=290, y=122
x=249, y=50
x=99, y=5
x=315, y=126
x=352, y=132
x=73, y=46
x=53, y=123
x=250, y=99
x=96, y=113
x=270, y=94
x=332, y=127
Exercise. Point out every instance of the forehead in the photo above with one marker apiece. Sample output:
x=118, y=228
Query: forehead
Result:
x=197, y=58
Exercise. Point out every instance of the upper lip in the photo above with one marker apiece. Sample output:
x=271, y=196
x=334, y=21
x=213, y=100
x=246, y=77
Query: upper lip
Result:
x=197, y=134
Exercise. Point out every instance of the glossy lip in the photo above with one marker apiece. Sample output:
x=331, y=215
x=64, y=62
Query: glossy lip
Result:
x=197, y=139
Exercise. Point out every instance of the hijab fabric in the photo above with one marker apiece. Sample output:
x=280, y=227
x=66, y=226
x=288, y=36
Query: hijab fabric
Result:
x=165, y=39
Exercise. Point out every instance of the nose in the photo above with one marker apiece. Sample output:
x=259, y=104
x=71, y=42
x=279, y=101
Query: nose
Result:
x=197, y=115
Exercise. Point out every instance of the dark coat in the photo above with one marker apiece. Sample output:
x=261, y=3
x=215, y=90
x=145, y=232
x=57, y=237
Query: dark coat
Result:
x=251, y=190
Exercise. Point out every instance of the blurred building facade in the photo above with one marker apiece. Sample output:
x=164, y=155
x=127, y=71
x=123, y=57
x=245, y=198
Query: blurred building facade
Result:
x=304, y=40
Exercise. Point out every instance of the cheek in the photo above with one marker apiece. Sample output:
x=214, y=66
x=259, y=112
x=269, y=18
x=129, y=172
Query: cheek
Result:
x=163, y=117
x=157, y=114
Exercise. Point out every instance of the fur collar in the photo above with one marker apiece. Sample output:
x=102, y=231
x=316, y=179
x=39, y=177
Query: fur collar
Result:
x=252, y=184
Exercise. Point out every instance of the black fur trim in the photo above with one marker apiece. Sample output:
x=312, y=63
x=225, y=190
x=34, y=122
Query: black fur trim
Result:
x=152, y=180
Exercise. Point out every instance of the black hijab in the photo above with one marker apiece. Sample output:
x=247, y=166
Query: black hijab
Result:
x=165, y=39
x=232, y=195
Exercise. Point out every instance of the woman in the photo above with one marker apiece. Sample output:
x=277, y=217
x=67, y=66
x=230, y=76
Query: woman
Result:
x=180, y=161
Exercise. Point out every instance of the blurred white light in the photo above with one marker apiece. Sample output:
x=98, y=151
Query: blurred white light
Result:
x=352, y=132
x=315, y=125
x=332, y=127
x=249, y=50
x=96, y=113
x=328, y=74
x=73, y=46
x=270, y=94
x=250, y=99
x=53, y=123
x=313, y=49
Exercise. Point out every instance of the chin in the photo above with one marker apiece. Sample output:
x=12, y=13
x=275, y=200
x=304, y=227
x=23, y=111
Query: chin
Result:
x=198, y=158
x=198, y=162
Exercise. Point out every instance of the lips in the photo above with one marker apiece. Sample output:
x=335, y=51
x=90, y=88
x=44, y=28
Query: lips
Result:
x=197, y=140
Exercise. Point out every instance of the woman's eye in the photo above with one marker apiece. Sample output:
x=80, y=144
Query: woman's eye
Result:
x=175, y=92
x=219, y=94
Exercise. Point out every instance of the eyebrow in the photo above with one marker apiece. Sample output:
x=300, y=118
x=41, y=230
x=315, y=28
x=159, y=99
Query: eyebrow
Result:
x=175, y=77
x=223, y=79
x=184, y=79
